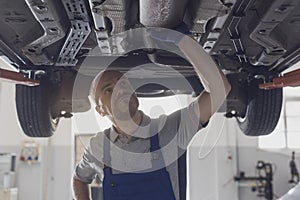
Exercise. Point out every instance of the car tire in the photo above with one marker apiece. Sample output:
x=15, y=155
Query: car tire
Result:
x=34, y=109
x=263, y=112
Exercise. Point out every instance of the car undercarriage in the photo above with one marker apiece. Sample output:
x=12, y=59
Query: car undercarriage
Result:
x=57, y=41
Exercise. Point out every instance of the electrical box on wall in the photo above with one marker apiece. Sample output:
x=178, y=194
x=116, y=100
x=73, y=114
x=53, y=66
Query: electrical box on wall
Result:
x=4, y=166
x=9, y=194
x=7, y=170
x=30, y=152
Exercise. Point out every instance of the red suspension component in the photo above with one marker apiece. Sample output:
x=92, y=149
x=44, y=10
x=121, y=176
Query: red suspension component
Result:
x=291, y=79
x=17, y=78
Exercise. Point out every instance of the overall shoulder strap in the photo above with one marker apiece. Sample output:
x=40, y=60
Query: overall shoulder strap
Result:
x=106, y=148
x=154, y=140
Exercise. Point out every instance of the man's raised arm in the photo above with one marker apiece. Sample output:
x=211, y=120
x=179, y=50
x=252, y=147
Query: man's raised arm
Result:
x=215, y=83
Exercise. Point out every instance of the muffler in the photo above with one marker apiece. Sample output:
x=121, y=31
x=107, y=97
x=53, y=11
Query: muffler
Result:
x=162, y=13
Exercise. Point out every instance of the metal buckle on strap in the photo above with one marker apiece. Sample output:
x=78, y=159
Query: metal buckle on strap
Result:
x=155, y=156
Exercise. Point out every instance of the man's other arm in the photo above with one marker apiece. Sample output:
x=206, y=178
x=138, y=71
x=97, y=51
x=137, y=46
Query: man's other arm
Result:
x=80, y=190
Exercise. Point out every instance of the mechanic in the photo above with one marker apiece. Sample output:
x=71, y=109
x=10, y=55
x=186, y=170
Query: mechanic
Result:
x=119, y=156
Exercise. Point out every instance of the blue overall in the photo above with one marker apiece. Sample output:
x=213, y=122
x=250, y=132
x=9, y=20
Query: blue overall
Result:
x=151, y=185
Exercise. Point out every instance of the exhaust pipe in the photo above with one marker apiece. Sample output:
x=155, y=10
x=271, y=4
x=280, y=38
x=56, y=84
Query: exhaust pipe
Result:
x=162, y=13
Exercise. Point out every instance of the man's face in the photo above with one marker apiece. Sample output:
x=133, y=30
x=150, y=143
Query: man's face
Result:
x=116, y=96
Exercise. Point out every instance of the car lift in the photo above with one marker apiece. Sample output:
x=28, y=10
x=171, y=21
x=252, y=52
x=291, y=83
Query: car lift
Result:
x=264, y=186
x=17, y=78
x=289, y=79
x=294, y=171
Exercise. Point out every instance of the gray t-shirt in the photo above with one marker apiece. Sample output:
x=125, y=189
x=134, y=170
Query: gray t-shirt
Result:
x=131, y=154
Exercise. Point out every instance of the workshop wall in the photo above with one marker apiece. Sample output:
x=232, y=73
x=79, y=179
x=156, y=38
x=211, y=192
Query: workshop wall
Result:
x=50, y=178
x=211, y=173
x=212, y=176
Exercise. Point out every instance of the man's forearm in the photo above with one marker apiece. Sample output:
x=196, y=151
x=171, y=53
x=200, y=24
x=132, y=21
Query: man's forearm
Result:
x=203, y=64
x=213, y=80
x=80, y=190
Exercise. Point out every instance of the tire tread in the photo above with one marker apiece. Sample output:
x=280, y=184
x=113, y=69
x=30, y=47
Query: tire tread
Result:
x=33, y=110
x=263, y=113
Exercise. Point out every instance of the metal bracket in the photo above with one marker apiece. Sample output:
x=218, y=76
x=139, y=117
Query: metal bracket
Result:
x=78, y=33
x=264, y=34
x=100, y=29
x=215, y=33
x=234, y=32
x=46, y=15
x=115, y=12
